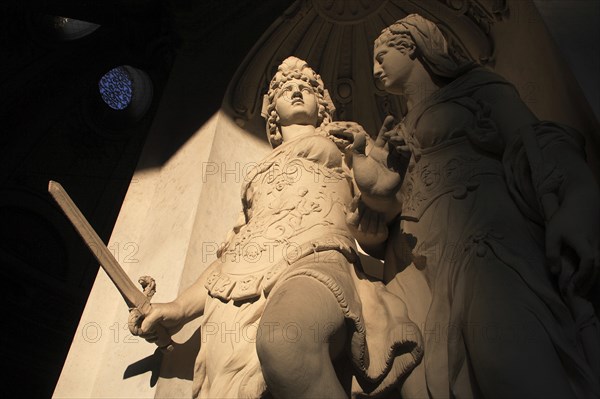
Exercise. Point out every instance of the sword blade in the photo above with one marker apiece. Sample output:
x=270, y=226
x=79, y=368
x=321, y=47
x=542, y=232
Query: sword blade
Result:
x=130, y=293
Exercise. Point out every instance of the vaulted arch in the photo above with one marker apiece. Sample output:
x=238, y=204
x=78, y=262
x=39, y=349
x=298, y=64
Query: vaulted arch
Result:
x=336, y=38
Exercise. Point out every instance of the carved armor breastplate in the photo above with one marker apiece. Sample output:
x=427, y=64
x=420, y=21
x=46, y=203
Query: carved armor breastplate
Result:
x=296, y=195
x=450, y=168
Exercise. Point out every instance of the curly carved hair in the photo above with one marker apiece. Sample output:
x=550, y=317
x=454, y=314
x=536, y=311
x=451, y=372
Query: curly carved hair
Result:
x=395, y=36
x=295, y=68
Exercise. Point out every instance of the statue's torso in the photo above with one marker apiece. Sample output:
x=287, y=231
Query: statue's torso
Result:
x=294, y=203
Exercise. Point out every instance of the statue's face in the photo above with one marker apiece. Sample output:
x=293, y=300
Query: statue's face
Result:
x=392, y=67
x=296, y=104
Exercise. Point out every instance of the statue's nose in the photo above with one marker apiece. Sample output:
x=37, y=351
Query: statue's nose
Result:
x=377, y=71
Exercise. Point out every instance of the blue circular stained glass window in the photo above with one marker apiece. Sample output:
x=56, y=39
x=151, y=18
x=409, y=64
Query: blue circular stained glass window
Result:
x=116, y=88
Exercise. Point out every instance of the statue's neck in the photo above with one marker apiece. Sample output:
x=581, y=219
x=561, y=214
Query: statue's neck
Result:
x=420, y=86
x=293, y=132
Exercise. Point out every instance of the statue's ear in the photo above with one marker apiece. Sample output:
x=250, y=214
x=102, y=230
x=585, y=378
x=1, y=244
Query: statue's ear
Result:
x=265, y=106
x=412, y=51
x=329, y=102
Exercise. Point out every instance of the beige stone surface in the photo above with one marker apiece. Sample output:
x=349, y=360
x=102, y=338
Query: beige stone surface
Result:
x=153, y=233
x=233, y=153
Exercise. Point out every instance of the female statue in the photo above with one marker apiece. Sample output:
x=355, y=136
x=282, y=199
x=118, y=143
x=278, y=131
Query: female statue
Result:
x=286, y=298
x=489, y=196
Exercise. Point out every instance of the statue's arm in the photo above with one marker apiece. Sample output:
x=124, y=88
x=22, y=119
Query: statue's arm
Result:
x=368, y=227
x=378, y=172
x=573, y=216
x=375, y=184
x=191, y=301
x=514, y=119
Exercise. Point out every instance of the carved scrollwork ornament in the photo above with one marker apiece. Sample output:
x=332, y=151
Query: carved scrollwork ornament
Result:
x=348, y=11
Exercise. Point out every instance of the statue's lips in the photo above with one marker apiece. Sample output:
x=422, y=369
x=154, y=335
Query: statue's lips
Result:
x=297, y=101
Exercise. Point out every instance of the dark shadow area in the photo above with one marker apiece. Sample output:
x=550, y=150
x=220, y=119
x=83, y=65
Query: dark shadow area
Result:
x=55, y=126
x=150, y=363
x=179, y=363
x=574, y=29
x=214, y=45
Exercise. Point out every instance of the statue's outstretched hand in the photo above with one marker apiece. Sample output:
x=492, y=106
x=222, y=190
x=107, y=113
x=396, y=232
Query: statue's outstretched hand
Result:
x=576, y=224
x=378, y=174
x=398, y=144
x=167, y=315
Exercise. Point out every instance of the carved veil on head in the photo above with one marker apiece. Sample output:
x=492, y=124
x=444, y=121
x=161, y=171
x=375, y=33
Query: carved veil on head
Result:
x=431, y=45
x=294, y=68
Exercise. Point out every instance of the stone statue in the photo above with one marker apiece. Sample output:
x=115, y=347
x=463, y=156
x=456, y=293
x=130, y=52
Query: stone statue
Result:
x=494, y=230
x=286, y=299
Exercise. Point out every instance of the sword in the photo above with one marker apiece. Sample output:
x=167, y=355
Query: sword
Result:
x=130, y=293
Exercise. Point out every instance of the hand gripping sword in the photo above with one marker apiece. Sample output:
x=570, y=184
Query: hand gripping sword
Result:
x=132, y=296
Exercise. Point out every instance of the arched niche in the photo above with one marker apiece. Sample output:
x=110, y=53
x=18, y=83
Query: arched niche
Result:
x=336, y=38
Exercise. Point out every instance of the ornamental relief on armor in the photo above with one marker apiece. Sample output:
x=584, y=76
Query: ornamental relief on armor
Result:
x=290, y=207
x=429, y=179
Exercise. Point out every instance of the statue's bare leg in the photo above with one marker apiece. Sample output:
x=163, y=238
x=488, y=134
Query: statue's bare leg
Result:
x=301, y=331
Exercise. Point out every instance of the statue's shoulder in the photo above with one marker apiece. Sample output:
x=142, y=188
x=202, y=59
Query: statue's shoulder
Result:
x=318, y=148
x=496, y=93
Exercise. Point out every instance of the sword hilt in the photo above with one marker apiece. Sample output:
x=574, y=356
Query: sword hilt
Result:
x=164, y=341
